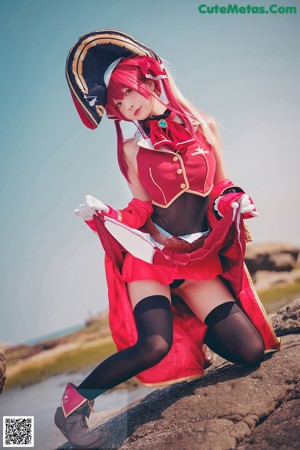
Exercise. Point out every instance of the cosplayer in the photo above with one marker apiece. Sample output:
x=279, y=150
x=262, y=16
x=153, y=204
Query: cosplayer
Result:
x=175, y=255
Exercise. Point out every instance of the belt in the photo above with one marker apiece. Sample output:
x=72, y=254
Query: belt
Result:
x=174, y=243
x=181, y=246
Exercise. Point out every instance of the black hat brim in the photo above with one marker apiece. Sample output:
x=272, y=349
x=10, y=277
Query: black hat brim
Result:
x=86, y=64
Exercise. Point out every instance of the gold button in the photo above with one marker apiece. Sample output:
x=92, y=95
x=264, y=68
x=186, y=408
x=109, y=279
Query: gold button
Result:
x=179, y=171
x=175, y=158
x=182, y=185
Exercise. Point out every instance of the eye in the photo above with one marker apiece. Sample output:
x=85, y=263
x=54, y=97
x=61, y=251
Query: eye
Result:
x=127, y=91
x=118, y=105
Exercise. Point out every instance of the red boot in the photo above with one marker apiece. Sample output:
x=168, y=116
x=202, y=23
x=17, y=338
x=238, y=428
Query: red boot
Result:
x=70, y=418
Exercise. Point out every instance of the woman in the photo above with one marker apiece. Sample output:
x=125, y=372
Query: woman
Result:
x=192, y=286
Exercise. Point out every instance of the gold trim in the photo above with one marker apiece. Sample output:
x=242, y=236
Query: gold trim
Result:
x=88, y=113
x=201, y=195
x=248, y=233
x=179, y=194
x=262, y=309
x=74, y=409
x=150, y=171
x=207, y=172
x=186, y=189
x=92, y=41
x=107, y=36
x=170, y=382
x=99, y=110
x=171, y=201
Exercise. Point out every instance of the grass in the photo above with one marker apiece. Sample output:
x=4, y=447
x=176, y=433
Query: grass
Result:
x=280, y=292
x=92, y=349
x=86, y=355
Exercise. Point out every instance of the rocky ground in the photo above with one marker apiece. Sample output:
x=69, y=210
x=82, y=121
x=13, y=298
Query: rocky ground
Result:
x=272, y=264
x=229, y=408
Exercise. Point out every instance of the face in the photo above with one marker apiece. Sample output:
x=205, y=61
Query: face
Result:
x=134, y=106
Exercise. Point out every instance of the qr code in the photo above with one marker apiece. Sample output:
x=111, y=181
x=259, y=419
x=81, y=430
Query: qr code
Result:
x=18, y=431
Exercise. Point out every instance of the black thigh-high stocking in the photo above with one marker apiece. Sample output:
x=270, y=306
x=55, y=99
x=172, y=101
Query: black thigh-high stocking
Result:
x=153, y=318
x=232, y=335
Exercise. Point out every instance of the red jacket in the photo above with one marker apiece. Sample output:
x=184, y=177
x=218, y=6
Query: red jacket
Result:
x=166, y=174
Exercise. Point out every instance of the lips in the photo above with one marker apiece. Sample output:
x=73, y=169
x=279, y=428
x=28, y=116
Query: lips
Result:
x=137, y=111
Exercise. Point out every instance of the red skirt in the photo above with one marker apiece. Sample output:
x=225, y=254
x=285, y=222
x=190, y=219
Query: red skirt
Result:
x=135, y=269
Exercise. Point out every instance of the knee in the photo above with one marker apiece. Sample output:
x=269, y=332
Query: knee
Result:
x=255, y=354
x=155, y=349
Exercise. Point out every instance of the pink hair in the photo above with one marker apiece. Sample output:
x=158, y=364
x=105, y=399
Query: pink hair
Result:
x=128, y=74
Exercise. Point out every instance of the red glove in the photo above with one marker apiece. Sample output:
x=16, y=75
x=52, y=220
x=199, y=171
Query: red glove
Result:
x=227, y=202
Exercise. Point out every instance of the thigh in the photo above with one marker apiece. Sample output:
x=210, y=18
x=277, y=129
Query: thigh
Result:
x=138, y=290
x=203, y=296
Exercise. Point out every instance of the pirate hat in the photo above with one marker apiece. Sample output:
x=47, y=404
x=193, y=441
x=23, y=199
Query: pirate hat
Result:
x=87, y=63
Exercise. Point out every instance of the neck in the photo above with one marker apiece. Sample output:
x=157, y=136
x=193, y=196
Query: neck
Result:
x=165, y=114
x=157, y=108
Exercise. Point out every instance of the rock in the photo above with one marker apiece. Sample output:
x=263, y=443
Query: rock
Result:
x=263, y=279
x=271, y=256
x=287, y=319
x=2, y=369
x=281, y=429
x=231, y=407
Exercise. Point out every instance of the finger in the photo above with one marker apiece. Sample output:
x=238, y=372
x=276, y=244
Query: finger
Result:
x=247, y=209
x=254, y=214
x=245, y=200
x=95, y=203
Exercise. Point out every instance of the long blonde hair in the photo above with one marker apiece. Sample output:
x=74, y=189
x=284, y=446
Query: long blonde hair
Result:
x=198, y=117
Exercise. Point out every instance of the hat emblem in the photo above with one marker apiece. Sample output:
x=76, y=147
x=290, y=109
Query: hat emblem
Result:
x=91, y=99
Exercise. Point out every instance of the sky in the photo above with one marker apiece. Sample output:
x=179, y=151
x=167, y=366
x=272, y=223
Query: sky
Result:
x=242, y=69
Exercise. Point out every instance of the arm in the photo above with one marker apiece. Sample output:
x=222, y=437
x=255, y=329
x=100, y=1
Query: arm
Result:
x=139, y=208
x=130, y=151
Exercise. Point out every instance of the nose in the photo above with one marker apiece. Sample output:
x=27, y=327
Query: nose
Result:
x=128, y=103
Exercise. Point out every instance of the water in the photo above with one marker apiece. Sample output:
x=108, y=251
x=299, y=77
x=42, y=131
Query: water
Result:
x=42, y=399
x=55, y=334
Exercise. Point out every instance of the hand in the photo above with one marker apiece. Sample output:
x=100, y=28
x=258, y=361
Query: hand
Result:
x=230, y=201
x=84, y=211
x=96, y=204
x=92, y=206
x=246, y=205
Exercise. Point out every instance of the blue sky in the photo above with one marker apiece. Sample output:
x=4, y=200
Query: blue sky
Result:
x=244, y=70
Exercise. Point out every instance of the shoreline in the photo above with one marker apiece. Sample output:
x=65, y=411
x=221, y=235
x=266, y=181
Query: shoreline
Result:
x=86, y=347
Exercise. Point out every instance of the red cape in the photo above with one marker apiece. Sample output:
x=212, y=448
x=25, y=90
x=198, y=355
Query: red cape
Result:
x=186, y=358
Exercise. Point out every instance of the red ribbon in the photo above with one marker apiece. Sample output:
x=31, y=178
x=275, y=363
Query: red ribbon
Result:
x=173, y=136
x=150, y=67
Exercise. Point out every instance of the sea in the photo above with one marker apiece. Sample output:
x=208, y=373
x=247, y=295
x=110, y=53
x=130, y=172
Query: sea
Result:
x=41, y=400
x=55, y=334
